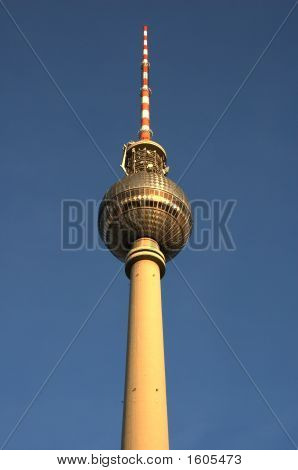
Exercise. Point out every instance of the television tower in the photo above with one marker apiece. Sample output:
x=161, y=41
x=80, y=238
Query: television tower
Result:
x=145, y=220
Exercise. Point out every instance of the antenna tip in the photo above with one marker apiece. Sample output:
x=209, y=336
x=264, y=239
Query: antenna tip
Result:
x=145, y=28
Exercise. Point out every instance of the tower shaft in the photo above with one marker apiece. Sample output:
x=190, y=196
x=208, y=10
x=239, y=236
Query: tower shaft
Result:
x=145, y=422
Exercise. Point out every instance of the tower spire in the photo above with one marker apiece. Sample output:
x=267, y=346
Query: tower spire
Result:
x=145, y=131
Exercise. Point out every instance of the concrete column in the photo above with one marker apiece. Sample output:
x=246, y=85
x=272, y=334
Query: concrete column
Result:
x=145, y=422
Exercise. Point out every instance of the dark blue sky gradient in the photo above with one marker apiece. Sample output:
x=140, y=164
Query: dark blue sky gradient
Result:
x=200, y=52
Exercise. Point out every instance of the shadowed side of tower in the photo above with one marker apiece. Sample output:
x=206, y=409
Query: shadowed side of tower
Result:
x=145, y=220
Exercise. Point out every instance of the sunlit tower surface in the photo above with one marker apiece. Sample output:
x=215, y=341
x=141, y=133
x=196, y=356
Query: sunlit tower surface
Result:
x=145, y=220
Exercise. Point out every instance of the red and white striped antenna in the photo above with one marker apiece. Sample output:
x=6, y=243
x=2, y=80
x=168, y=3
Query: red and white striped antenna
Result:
x=145, y=131
x=145, y=154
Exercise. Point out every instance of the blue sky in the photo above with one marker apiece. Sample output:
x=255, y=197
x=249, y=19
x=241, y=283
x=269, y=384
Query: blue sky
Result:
x=200, y=53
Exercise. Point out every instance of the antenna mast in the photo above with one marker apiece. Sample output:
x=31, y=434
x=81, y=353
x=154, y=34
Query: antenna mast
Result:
x=145, y=131
x=144, y=154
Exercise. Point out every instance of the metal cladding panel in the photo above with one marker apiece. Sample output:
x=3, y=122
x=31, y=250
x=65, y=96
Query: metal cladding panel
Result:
x=145, y=205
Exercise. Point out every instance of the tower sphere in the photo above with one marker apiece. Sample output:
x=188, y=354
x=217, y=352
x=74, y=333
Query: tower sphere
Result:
x=145, y=203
